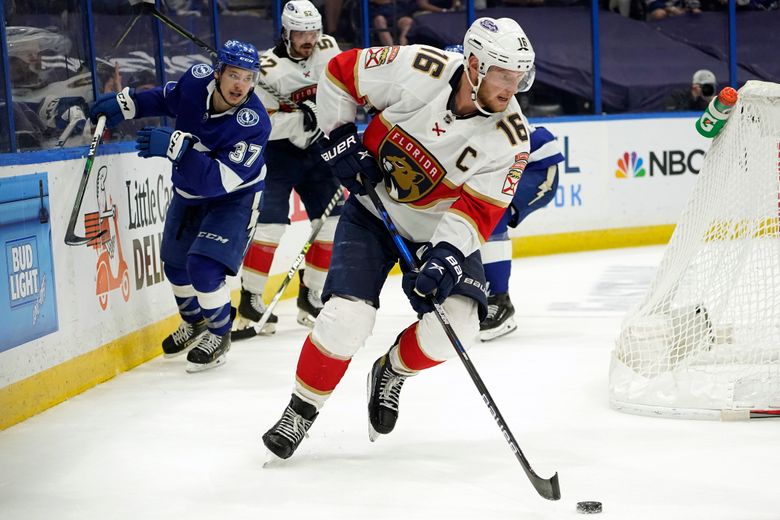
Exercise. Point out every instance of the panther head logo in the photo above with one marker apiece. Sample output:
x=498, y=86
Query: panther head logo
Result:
x=406, y=181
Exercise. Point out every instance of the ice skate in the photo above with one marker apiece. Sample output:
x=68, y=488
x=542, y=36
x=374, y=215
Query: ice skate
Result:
x=210, y=352
x=286, y=435
x=183, y=338
x=500, y=318
x=250, y=310
x=384, y=391
x=309, y=304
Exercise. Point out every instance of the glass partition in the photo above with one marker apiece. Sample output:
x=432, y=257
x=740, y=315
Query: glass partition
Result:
x=248, y=20
x=758, y=37
x=49, y=70
x=700, y=47
x=126, y=55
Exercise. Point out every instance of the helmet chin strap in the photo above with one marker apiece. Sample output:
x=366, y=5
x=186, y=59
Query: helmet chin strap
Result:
x=474, y=90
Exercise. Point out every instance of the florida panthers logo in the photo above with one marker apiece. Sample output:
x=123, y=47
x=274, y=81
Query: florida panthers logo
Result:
x=412, y=171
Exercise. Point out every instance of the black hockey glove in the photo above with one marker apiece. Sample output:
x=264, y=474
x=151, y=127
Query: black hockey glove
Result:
x=309, y=109
x=117, y=106
x=440, y=273
x=345, y=154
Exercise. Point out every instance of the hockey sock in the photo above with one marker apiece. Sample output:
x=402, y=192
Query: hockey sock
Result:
x=497, y=258
x=184, y=292
x=319, y=254
x=213, y=294
x=258, y=260
x=318, y=372
x=406, y=357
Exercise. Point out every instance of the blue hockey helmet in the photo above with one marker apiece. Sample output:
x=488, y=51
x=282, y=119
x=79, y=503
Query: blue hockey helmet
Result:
x=239, y=54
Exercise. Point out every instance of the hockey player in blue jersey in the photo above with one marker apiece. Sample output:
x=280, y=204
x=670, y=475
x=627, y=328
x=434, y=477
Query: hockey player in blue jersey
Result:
x=217, y=172
x=535, y=190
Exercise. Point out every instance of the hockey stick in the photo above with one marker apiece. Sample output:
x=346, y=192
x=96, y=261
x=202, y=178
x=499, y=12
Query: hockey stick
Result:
x=547, y=488
x=151, y=9
x=71, y=238
x=315, y=229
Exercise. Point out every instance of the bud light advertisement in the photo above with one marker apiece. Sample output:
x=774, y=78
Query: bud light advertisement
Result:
x=29, y=306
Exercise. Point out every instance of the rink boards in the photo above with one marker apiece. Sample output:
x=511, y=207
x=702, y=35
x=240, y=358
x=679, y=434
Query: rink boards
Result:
x=76, y=316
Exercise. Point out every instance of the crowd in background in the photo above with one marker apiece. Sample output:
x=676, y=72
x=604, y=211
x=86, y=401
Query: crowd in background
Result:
x=51, y=82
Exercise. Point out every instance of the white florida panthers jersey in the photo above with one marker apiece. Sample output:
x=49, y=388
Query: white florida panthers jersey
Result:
x=447, y=178
x=296, y=80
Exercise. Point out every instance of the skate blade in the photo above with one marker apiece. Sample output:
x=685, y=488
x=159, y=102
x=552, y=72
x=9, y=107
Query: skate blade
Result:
x=373, y=435
x=305, y=319
x=508, y=326
x=271, y=459
x=196, y=367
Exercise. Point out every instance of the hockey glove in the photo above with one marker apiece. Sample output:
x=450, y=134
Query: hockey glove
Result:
x=309, y=109
x=345, y=154
x=440, y=273
x=117, y=106
x=163, y=142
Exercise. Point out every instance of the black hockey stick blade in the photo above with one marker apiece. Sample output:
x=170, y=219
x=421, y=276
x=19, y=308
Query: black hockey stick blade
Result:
x=71, y=238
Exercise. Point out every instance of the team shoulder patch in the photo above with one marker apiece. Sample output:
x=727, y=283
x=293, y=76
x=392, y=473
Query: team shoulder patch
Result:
x=247, y=117
x=202, y=70
x=376, y=56
x=515, y=174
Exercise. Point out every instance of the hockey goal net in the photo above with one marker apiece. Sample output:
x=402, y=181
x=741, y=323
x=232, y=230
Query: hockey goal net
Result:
x=705, y=341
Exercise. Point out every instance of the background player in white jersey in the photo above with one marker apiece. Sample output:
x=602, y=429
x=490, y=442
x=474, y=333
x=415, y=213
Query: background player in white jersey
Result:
x=292, y=68
x=217, y=173
x=449, y=146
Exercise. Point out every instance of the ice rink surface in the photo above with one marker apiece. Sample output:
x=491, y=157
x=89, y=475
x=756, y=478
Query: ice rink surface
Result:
x=157, y=442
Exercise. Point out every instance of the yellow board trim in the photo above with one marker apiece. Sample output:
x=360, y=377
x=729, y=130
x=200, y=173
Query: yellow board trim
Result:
x=50, y=387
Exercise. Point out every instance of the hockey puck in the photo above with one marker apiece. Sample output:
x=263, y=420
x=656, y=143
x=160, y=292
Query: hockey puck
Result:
x=589, y=508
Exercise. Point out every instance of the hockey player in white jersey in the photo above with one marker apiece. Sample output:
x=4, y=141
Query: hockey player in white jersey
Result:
x=448, y=146
x=292, y=68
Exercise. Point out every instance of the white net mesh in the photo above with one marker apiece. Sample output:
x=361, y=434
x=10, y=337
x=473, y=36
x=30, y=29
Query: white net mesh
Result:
x=706, y=338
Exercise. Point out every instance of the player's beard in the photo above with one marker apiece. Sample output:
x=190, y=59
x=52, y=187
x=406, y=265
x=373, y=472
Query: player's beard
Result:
x=304, y=52
x=491, y=103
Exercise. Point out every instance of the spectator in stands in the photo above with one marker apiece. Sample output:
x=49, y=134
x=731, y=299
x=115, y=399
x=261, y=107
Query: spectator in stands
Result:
x=438, y=6
x=660, y=9
x=392, y=13
x=703, y=89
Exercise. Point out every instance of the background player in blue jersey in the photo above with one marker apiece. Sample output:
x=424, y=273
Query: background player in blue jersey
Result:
x=217, y=174
x=535, y=190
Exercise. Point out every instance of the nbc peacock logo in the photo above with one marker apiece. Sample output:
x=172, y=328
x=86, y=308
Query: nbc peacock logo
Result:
x=630, y=165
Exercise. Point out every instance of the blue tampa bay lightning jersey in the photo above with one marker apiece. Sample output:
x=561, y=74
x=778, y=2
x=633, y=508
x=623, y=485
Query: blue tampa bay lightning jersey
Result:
x=228, y=157
x=544, y=149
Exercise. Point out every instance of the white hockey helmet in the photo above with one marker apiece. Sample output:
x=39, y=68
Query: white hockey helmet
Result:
x=502, y=43
x=299, y=15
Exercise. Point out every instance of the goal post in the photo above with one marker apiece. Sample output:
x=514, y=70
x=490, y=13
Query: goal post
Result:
x=705, y=340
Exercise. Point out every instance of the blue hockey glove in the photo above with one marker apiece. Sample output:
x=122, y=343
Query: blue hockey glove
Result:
x=309, y=109
x=345, y=154
x=163, y=142
x=440, y=273
x=117, y=106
